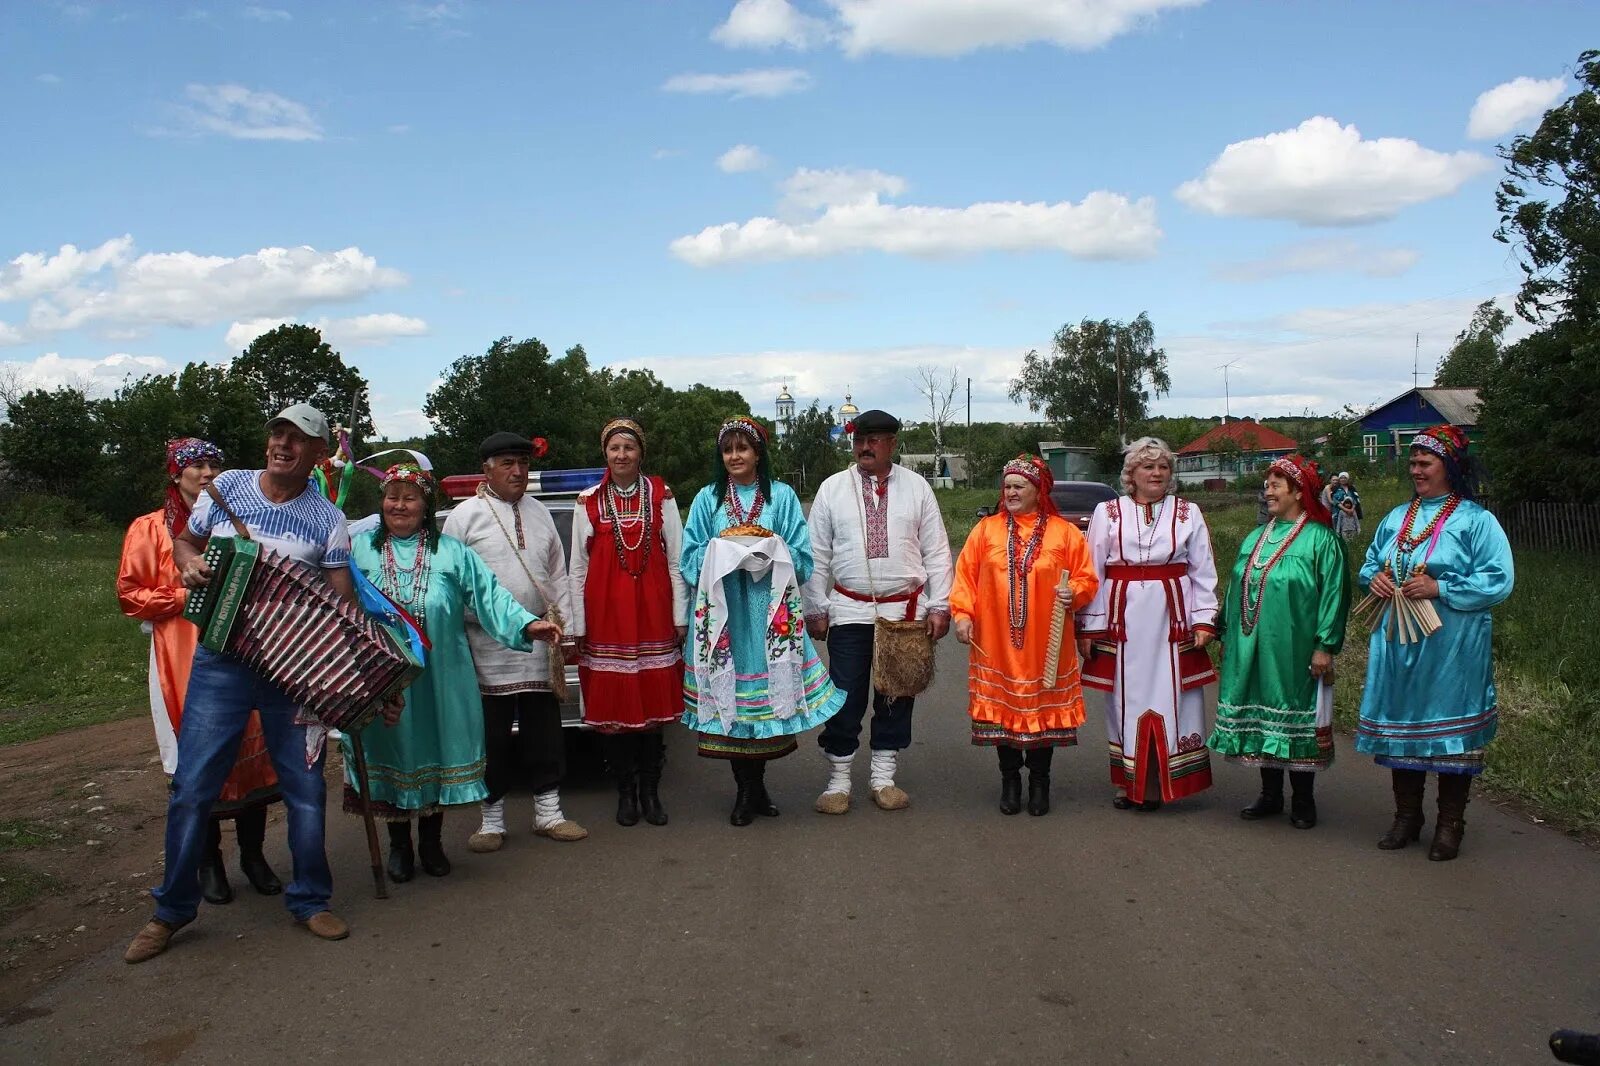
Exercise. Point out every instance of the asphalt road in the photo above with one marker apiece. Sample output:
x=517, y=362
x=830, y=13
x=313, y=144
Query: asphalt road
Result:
x=946, y=933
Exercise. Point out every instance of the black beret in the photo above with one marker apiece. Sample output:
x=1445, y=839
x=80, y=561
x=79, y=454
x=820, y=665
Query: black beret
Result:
x=876, y=421
x=503, y=443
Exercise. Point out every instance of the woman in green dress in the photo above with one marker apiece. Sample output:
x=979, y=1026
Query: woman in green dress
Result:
x=434, y=756
x=1282, y=622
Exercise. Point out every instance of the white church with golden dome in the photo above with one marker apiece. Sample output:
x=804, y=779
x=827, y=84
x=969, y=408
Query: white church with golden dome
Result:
x=785, y=411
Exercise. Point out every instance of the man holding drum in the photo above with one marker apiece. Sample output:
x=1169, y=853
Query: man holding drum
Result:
x=285, y=513
x=881, y=551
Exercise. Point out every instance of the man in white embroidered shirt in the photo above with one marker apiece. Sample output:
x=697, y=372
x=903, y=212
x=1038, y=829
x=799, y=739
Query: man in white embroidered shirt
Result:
x=880, y=548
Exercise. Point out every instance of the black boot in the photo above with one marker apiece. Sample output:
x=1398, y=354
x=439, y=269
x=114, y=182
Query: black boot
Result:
x=430, y=849
x=214, y=887
x=1270, y=803
x=1451, y=823
x=1409, y=787
x=1303, y=803
x=760, y=801
x=620, y=754
x=402, y=860
x=1038, y=761
x=743, y=797
x=652, y=754
x=251, y=829
x=1010, y=778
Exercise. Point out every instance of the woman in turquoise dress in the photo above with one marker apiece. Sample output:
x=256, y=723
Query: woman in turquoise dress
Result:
x=769, y=686
x=1430, y=703
x=433, y=757
x=1282, y=622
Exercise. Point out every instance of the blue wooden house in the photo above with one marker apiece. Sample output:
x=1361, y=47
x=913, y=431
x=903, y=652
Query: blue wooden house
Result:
x=1387, y=429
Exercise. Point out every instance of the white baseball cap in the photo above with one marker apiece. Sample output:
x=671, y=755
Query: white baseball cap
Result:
x=305, y=418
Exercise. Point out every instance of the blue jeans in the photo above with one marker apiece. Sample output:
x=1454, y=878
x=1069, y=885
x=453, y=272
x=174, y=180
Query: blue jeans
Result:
x=850, y=666
x=216, y=709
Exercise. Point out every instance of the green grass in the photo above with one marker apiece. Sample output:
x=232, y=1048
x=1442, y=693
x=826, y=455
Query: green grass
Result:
x=17, y=834
x=71, y=657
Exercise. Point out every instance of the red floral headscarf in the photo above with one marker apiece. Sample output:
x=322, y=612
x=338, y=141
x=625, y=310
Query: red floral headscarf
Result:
x=1304, y=475
x=412, y=474
x=1036, y=471
x=182, y=454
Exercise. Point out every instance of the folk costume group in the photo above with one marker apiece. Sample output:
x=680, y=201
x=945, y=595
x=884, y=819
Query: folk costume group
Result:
x=710, y=622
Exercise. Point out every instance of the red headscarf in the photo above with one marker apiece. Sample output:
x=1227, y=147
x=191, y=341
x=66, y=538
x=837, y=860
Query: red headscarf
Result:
x=182, y=454
x=1304, y=475
x=1036, y=471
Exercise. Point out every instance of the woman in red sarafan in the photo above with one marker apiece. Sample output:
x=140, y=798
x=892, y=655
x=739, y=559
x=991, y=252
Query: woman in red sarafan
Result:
x=628, y=604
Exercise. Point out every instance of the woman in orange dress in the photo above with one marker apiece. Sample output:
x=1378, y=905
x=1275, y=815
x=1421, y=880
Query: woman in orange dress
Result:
x=148, y=589
x=1005, y=591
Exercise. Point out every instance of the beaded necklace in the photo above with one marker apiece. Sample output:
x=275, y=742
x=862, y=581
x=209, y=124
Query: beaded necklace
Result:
x=1250, y=610
x=611, y=510
x=414, y=601
x=736, y=512
x=1017, y=571
x=1407, y=542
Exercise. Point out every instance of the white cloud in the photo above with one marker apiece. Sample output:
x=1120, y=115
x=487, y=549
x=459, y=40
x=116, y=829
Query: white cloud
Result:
x=33, y=274
x=741, y=158
x=768, y=24
x=1331, y=256
x=48, y=79
x=400, y=127
x=1323, y=174
x=246, y=114
x=265, y=14
x=96, y=376
x=956, y=27
x=666, y=153
x=360, y=331
x=108, y=289
x=1512, y=104
x=1103, y=225
x=768, y=82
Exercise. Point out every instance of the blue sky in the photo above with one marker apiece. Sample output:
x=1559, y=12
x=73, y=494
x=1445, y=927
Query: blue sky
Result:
x=828, y=193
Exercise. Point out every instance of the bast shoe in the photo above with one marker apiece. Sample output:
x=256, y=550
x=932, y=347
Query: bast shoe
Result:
x=833, y=803
x=565, y=830
x=325, y=925
x=891, y=798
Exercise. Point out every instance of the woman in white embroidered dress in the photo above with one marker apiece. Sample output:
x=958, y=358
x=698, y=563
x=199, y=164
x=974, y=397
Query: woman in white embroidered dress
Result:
x=1142, y=637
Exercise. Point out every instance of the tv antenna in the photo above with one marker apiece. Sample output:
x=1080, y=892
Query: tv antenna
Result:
x=1227, y=401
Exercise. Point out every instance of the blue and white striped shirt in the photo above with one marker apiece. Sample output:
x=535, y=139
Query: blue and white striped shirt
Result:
x=307, y=528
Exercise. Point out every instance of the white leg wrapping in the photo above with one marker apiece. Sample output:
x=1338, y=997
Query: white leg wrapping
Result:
x=883, y=764
x=494, y=818
x=839, y=773
x=547, y=809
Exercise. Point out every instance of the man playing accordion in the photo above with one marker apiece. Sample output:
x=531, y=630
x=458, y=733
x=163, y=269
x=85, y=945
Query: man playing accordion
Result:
x=285, y=513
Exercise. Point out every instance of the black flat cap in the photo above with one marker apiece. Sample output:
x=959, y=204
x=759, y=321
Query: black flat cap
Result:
x=876, y=421
x=503, y=443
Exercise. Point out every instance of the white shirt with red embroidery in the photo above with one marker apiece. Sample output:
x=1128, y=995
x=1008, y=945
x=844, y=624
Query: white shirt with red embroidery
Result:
x=896, y=521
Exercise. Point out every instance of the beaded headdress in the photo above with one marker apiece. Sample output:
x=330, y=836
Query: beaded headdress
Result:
x=1304, y=475
x=1037, y=472
x=748, y=426
x=1444, y=440
x=412, y=474
x=187, y=451
x=622, y=425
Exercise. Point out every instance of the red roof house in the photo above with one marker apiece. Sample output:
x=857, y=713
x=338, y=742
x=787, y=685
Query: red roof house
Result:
x=1244, y=435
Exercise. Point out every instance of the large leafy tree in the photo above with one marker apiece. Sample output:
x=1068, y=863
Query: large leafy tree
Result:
x=1541, y=418
x=1549, y=206
x=1095, y=370
x=52, y=443
x=198, y=401
x=293, y=364
x=1475, y=356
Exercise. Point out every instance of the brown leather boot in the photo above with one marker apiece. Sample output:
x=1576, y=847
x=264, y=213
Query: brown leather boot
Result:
x=1409, y=786
x=1451, y=823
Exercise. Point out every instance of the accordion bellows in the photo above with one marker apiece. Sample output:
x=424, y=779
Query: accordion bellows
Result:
x=284, y=621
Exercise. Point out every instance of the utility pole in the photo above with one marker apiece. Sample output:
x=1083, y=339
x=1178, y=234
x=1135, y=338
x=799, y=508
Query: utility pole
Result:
x=1227, y=395
x=969, y=433
x=1122, y=433
x=1416, y=356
